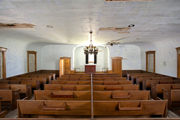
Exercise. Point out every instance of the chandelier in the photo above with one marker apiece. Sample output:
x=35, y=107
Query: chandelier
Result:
x=91, y=49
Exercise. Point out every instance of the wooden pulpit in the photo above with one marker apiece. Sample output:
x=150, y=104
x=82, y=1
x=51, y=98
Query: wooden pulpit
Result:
x=90, y=69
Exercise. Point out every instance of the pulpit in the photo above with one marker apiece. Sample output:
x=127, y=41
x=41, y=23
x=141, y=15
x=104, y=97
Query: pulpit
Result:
x=90, y=69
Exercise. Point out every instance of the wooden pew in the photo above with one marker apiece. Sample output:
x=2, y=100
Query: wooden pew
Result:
x=55, y=108
x=134, y=77
x=24, y=89
x=42, y=80
x=35, y=84
x=61, y=95
x=121, y=95
x=130, y=108
x=52, y=75
x=139, y=80
x=67, y=87
x=173, y=97
x=71, y=82
x=115, y=87
x=109, y=78
x=2, y=114
x=10, y=97
x=94, y=82
x=157, y=89
x=94, y=78
x=74, y=78
x=129, y=75
x=86, y=95
x=146, y=84
x=55, y=118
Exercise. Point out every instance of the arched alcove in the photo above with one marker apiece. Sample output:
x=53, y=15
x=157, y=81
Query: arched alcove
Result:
x=102, y=58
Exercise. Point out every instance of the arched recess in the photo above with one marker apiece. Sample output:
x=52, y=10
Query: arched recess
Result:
x=79, y=59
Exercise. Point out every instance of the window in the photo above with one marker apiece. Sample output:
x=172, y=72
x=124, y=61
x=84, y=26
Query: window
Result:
x=3, y=62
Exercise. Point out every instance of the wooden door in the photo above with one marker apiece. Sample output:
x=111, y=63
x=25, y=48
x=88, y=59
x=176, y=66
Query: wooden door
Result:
x=117, y=65
x=178, y=62
x=66, y=66
x=178, y=67
x=31, y=61
x=150, y=61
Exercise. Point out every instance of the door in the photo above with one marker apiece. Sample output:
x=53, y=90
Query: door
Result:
x=117, y=65
x=66, y=66
x=1, y=66
x=178, y=62
x=150, y=61
x=31, y=61
x=178, y=75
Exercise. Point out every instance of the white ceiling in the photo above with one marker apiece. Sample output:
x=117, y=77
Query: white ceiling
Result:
x=73, y=19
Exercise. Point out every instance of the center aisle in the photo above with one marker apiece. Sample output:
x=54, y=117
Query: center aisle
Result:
x=92, y=113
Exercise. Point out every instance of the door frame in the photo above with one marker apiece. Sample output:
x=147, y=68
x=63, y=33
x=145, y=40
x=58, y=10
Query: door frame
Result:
x=116, y=58
x=151, y=52
x=3, y=50
x=31, y=52
x=178, y=48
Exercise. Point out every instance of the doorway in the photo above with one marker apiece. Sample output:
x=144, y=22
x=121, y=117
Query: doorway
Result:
x=150, y=61
x=117, y=65
x=31, y=61
x=178, y=62
x=64, y=65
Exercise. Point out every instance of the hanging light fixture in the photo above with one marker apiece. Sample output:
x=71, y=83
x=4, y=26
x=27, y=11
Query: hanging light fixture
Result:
x=91, y=49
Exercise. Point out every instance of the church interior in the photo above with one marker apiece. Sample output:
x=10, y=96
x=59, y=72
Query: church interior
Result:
x=89, y=59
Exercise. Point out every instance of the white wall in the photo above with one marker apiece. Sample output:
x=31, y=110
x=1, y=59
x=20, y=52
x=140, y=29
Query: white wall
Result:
x=51, y=54
x=131, y=55
x=16, y=56
x=79, y=58
x=165, y=52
